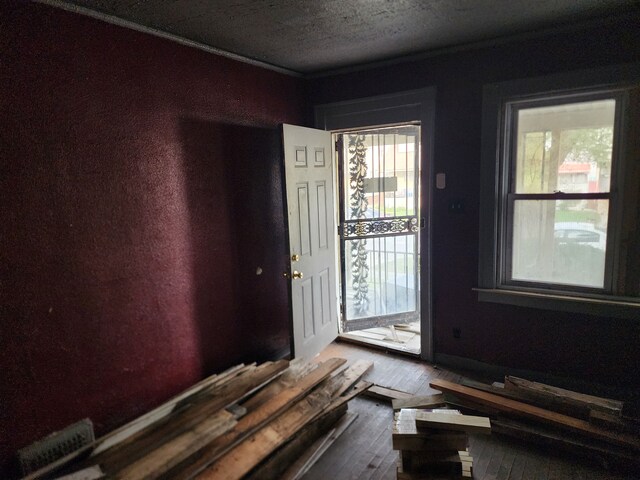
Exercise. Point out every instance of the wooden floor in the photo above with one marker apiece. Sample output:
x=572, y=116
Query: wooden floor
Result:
x=364, y=451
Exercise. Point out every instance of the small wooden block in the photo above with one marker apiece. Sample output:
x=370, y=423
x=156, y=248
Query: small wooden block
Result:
x=426, y=462
x=406, y=436
x=446, y=421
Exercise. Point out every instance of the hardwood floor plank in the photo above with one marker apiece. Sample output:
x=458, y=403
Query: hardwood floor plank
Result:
x=504, y=472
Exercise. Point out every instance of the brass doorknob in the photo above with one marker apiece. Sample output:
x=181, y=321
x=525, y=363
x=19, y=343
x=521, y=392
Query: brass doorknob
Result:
x=295, y=257
x=296, y=274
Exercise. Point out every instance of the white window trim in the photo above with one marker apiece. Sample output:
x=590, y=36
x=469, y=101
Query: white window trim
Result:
x=492, y=288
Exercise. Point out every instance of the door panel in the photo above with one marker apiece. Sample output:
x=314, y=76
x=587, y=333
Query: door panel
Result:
x=310, y=205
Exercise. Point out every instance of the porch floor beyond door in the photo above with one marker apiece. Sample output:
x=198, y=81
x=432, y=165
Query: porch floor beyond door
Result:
x=404, y=338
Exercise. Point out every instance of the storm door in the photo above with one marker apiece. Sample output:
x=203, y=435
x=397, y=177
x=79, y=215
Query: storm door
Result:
x=379, y=226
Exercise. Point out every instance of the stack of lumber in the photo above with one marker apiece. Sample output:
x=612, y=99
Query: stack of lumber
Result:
x=433, y=444
x=548, y=415
x=251, y=421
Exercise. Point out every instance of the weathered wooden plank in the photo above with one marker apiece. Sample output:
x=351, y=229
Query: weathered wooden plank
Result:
x=165, y=409
x=267, y=410
x=576, y=400
x=437, y=442
x=353, y=373
x=424, y=401
x=275, y=466
x=546, y=402
x=521, y=409
x=613, y=422
x=467, y=405
x=254, y=449
x=386, y=394
x=160, y=432
x=171, y=453
x=298, y=368
x=406, y=436
x=448, y=421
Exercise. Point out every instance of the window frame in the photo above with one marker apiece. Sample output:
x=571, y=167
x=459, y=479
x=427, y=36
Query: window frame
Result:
x=501, y=102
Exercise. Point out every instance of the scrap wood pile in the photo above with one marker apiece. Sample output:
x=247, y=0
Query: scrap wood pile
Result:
x=250, y=421
x=434, y=443
x=593, y=426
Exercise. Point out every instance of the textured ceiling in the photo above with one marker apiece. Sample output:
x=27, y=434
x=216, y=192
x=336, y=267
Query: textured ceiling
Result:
x=319, y=35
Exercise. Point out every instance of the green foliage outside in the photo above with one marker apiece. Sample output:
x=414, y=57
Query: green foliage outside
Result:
x=586, y=216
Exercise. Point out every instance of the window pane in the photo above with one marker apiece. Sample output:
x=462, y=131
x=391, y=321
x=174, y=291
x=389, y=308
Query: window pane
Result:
x=380, y=172
x=565, y=148
x=381, y=276
x=560, y=241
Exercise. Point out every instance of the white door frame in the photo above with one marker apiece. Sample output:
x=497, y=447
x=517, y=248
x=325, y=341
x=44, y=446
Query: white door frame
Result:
x=397, y=108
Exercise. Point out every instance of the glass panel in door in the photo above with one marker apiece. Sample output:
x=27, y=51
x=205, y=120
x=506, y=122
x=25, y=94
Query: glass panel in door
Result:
x=379, y=226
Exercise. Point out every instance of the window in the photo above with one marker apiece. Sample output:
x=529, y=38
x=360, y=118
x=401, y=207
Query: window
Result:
x=559, y=222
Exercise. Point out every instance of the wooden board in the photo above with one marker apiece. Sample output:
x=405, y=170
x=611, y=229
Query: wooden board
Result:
x=135, y=426
x=406, y=436
x=425, y=401
x=546, y=402
x=298, y=368
x=126, y=431
x=268, y=409
x=468, y=406
x=613, y=422
x=424, y=461
x=171, y=453
x=437, y=442
x=279, y=462
x=386, y=394
x=352, y=374
x=561, y=396
x=447, y=421
x=524, y=410
x=250, y=452
x=155, y=435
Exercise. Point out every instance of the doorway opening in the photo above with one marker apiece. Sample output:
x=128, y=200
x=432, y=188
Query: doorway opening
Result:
x=379, y=216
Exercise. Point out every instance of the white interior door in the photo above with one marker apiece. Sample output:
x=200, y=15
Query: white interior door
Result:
x=312, y=238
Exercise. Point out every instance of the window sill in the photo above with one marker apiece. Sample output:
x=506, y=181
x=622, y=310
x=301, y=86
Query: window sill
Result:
x=607, y=307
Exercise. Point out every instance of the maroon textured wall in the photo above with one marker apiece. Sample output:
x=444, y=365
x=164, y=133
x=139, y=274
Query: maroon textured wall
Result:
x=591, y=348
x=140, y=188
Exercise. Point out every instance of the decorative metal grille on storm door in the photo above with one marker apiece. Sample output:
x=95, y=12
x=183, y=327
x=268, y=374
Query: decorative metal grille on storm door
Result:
x=379, y=225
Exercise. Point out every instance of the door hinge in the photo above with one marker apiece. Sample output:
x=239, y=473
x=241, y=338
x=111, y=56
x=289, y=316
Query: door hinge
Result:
x=338, y=143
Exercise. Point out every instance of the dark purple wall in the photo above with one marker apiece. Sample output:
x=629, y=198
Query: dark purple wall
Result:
x=591, y=348
x=140, y=187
